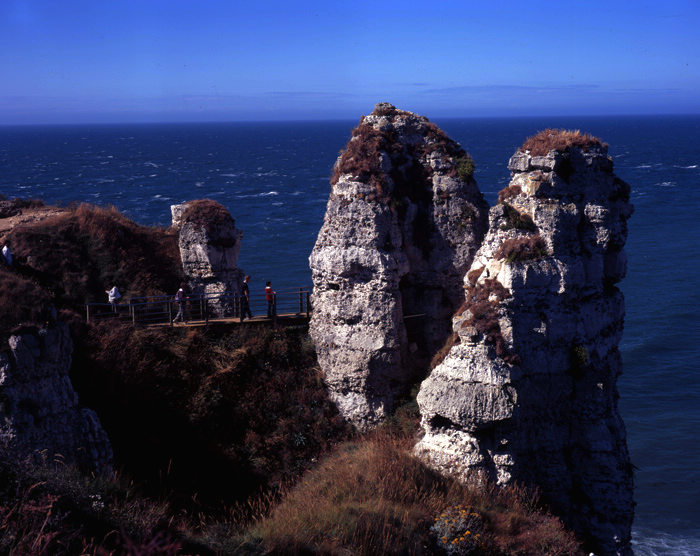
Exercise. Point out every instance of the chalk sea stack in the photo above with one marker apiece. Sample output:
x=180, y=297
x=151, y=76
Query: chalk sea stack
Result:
x=529, y=394
x=209, y=245
x=39, y=412
x=403, y=222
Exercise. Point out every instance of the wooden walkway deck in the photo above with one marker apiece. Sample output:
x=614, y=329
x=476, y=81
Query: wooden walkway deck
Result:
x=291, y=306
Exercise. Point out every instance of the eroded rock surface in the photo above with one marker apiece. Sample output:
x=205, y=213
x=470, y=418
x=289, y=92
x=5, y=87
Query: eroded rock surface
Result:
x=529, y=393
x=39, y=411
x=209, y=245
x=402, y=224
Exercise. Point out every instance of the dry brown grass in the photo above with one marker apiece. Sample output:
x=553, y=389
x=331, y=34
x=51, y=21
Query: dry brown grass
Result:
x=439, y=357
x=373, y=497
x=522, y=249
x=362, y=157
x=508, y=193
x=208, y=214
x=559, y=140
x=196, y=406
x=79, y=254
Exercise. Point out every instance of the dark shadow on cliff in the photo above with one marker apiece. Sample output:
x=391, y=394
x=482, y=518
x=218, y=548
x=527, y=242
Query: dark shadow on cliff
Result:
x=212, y=414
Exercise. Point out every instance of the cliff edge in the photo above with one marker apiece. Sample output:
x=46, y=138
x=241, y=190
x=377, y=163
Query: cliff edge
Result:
x=528, y=393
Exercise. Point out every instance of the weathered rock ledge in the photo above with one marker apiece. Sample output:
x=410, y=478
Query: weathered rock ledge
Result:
x=529, y=393
x=41, y=417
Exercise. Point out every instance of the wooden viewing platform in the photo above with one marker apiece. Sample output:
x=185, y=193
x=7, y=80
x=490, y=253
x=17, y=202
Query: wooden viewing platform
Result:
x=290, y=306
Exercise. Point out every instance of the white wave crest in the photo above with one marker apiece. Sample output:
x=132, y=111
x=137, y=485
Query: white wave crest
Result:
x=656, y=543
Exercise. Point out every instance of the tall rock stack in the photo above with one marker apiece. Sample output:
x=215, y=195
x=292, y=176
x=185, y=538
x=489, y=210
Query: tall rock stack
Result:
x=209, y=245
x=402, y=224
x=39, y=411
x=529, y=393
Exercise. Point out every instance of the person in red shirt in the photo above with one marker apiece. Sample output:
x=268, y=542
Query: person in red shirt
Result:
x=270, y=298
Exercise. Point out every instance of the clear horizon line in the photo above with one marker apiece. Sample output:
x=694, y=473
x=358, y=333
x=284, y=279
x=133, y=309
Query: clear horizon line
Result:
x=300, y=120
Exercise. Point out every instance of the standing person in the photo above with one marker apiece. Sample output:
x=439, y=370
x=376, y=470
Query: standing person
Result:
x=7, y=254
x=245, y=299
x=270, y=298
x=113, y=296
x=180, y=299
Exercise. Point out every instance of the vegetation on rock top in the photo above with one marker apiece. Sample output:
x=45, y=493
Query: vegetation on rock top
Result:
x=207, y=214
x=550, y=139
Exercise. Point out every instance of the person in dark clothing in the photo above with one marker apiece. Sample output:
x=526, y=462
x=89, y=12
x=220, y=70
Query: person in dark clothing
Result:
x=270, y=298
x=180, y=299
x=245, y=299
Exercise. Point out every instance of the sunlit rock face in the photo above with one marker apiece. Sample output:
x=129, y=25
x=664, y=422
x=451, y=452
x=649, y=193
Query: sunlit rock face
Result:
x=209, y=245
x=403, y=222
x=528, y=393
x=40, y=416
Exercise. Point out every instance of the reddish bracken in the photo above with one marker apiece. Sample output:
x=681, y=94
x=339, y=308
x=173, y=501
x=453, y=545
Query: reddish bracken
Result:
x=483, y=303
x=206, y=212
x=409, y=170
x=522, y=249
x=559, y=140
x=508, y=193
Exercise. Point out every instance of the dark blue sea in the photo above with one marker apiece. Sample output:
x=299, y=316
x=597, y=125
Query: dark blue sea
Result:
x=273, y=177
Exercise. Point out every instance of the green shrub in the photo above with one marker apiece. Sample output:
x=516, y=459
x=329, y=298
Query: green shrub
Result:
x=465, y=167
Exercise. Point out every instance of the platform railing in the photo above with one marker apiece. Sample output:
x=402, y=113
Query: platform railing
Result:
x=203, y=307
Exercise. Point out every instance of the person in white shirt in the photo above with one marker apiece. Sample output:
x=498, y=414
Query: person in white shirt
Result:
x=114, y=296
x=7, y=254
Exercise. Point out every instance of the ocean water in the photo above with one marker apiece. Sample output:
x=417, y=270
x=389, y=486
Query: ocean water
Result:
x=274, y=178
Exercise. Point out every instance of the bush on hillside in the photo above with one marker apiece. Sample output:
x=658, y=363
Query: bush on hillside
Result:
x=219, y=411
x=79, y=254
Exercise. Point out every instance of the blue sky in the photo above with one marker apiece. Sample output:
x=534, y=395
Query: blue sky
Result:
x=206, y=60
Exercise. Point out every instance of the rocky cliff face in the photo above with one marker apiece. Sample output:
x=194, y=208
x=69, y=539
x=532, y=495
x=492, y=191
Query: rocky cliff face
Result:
x=209, y=245
x=39, y=411
x=529, y=392
x=402, y=224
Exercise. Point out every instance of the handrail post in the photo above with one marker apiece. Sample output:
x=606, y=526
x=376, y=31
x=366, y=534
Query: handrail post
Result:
x=206, y=311
x=274, y=308
x=201, y=306
x=301, y=303
x=170, y=312
x=308, y=305
x=132, y=311
x=87, y=309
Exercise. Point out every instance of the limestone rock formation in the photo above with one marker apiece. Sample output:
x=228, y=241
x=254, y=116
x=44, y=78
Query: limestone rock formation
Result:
x=529, y=393
x=39, y=411
x=209, y=245
x=402, y=224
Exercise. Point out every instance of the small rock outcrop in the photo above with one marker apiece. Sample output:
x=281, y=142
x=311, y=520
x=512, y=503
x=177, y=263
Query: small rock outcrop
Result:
x=209, y=245
x=39, y=411
x=403, y=221
x=528, y=393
